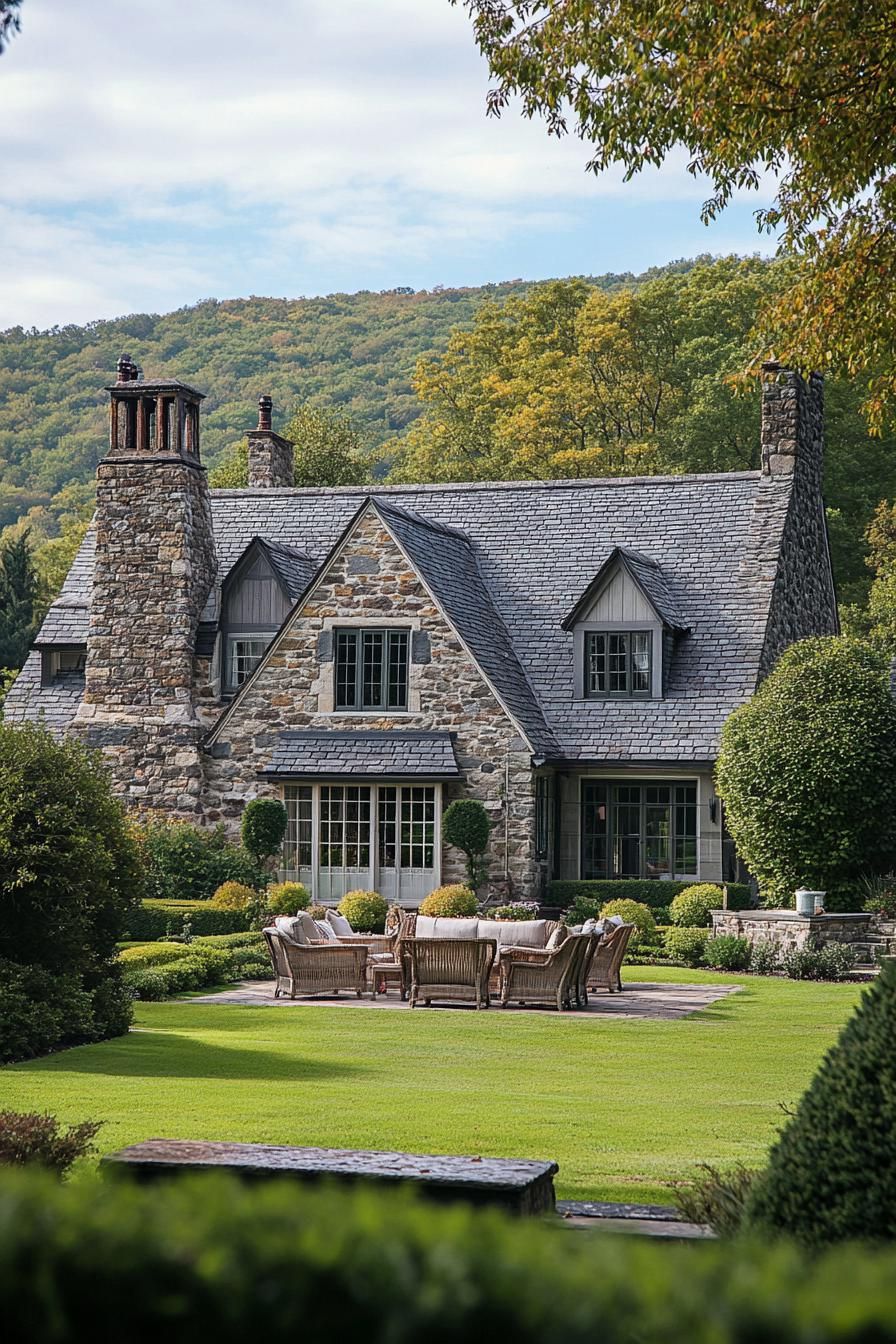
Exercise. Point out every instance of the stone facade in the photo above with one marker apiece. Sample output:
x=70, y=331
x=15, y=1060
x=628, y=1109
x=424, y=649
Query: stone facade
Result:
x=866, y=934
x=804, y=602
x=370, y=582
x=271, y=457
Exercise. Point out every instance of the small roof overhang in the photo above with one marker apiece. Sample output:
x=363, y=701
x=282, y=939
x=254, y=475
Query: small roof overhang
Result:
x=336, y=753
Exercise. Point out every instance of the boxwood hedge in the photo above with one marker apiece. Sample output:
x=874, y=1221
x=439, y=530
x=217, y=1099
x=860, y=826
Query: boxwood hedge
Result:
x=655, y=894
x=154, y=919
x=204, y=1257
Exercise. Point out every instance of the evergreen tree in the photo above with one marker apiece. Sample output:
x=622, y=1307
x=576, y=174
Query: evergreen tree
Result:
x=832, y=1174
x=18, y=601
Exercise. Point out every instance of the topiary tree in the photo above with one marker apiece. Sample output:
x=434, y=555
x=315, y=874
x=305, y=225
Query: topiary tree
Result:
x=264, y=826
x=466, y=826
x=692, y=908
x=807, y=772
x=832, y=1173
x=70, y=874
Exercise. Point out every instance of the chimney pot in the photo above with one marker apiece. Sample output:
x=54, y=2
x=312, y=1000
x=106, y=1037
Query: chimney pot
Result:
x=265, y=407
x=124, y=369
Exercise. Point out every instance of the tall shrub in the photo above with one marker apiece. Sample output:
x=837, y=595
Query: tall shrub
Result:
x=807, y=772
x=70, y=873
x=832, y=1174
x=189, y=863
x=466, y=826
x=264, y=826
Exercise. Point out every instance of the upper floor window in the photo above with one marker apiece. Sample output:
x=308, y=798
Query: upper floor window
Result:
x=617, y=662
x=244, y=653
x=372, y=669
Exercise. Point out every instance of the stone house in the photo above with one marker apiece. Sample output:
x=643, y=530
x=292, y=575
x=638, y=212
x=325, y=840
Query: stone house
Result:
x=565, y=651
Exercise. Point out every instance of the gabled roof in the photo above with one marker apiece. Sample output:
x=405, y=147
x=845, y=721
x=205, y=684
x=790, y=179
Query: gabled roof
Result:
x=327, y=753
x=537, y=544
x=648, y=576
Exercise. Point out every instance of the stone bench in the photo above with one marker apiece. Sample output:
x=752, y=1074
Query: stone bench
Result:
x=516, y=1185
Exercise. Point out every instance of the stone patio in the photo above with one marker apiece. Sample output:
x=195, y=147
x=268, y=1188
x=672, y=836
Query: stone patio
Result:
x=639, y=1000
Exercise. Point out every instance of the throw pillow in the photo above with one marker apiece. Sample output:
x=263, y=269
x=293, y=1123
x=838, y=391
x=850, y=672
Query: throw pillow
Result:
x=556, y=938
x=292, y=928
x=326, y=930
x=339, y=923
x=309, y=927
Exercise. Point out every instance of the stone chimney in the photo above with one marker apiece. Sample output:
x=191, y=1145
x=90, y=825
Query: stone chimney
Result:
x=270, y=456
x=155, y=566
x=792, y=433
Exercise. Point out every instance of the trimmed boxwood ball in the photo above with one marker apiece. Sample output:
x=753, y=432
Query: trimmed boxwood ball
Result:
x=286, y=898
x=632, y=912
x=832, y=1173
x=450, y=901
x=691, y=908
x=807, y=772
x=234, y=896
x=365, y=910
x=687, y=945
x=263, y=828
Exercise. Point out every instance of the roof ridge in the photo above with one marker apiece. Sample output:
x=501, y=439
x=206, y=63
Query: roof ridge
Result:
x=436, y=487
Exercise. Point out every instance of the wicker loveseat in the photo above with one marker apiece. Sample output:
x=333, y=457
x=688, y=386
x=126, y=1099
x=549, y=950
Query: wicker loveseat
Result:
x=315, y=968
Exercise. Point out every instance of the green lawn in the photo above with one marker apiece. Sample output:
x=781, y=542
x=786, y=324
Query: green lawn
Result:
x=625, y=1107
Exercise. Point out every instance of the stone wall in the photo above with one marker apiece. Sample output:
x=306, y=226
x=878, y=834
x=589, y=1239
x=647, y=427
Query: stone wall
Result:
x=371, y=582
x=786, y=929
x=792, y=441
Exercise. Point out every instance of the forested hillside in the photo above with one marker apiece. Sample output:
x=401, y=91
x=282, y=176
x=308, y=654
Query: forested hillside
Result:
x=353, y=352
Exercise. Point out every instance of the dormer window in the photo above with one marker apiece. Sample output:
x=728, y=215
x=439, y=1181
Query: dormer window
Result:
x=617, y=662
x=372, y=669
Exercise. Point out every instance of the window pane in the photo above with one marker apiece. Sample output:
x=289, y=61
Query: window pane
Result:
x=640, y=663
x=297, y=845
x=657, y=835
x=595, y=664
x=418, y=812
x=372, y=650
x=618, y=664
x=686, y=829
x=594, y=829
x=542, y=814
x=397, y=690
x=344, y=826
x=626, y=823
x=245, y=655
x=346, y=669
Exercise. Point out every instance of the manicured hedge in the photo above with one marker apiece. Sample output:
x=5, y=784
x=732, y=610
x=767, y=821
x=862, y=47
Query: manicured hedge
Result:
x=655, y=894
x=158, y=970
x=154, y=919
x=206, y=1258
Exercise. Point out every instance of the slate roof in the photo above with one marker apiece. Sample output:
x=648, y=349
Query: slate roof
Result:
x=55, y=705
x=529, y=549
x=374, y=754
x=293, y=567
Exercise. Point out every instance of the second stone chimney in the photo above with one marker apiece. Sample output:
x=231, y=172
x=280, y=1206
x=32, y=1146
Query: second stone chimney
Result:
x=270, y=455
x=792, y=433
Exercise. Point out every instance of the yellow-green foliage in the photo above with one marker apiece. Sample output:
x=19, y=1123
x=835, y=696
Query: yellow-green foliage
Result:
x=234, y=896
x=286, y=898
x=365, y=910
x=450, y=900
x=632, y=912
x=691, y=908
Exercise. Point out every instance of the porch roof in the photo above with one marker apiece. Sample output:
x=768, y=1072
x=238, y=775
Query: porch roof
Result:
x=335, y=753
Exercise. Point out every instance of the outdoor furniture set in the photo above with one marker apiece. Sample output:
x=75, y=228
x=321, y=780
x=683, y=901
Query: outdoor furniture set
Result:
x=455, y=960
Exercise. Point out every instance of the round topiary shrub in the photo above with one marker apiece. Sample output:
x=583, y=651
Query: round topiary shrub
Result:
x=691, y=908
x=263, y=828
x=286, y=898
x=632, y=912
x=234, y=896
x=832, y=1173
x=727, y=953
x=687, y=945
x=466, y=826
x=365, y=910
x=807, y=772
x=449, y=901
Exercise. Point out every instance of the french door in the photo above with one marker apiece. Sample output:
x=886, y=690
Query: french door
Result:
x=376, y=837
x=638, y=830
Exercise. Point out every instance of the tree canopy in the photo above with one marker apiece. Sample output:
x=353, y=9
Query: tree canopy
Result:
x=10, y=21
x=795, y=90
x=19, y=605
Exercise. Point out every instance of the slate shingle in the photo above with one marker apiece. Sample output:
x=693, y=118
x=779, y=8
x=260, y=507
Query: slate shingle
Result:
x=374, y=754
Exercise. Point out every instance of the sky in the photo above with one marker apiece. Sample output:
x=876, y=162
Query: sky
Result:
x=156, y=154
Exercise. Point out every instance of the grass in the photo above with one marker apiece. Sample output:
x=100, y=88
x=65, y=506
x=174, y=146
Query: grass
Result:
x=625, y=1107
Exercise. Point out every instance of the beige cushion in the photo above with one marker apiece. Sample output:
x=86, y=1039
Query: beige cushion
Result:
x=326, y=930
x=526, y=932
x=556, y=938
x=292, y=928
x=339, y=923
x=496, y=928
x=429, y=927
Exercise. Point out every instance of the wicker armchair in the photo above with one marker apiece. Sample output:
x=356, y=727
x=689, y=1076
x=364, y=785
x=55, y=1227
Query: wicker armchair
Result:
x=318, y=968
x=604, y=969
x=456, y=969
x=546, y=978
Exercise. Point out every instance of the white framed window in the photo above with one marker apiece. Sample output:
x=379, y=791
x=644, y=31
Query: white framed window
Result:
x=244, y=653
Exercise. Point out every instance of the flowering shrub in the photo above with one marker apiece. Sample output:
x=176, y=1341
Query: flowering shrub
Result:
x=517, y=910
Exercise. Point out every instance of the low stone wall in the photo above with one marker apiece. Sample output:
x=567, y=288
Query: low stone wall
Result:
x=865, y=933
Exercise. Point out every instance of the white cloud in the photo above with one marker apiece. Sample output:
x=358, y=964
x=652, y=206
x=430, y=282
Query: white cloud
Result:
x=341, y=129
